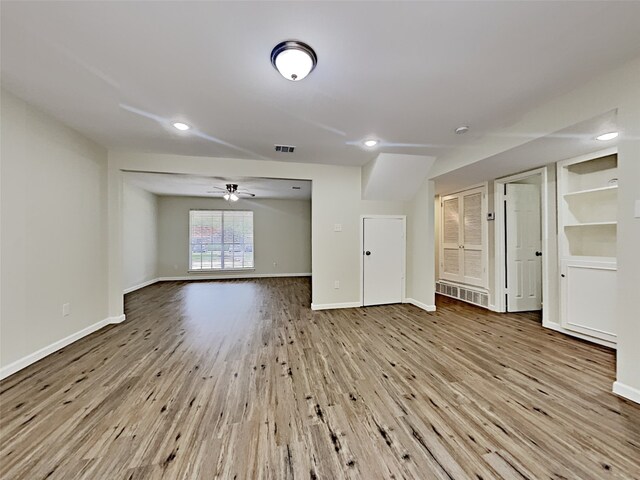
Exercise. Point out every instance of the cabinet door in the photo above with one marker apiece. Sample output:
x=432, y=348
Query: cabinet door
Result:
x=451, y=245
x=472, y=250
x=589, y=298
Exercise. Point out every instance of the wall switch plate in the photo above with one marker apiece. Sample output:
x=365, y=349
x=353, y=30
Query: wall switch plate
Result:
x=337, y=227
x=336, y=284
x=637, y=212
x=66, y=309
x=491, y=216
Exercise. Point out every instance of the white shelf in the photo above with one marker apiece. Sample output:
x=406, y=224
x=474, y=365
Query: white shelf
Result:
x=591, y=224
x=587, y=232
x=591, y=191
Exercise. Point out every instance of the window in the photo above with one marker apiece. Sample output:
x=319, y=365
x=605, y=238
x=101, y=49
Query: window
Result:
x=220, y=239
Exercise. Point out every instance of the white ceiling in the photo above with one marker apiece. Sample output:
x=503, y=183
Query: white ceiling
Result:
x=406, y=72
x=198, y=186
x=567, y=143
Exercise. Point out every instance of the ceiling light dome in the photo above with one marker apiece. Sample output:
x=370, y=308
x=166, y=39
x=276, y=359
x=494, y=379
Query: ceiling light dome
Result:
x=294, y=60
x=607, y=136
x=181, y=126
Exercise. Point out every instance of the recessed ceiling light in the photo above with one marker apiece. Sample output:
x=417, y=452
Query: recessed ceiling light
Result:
x=462, y=129
x=607, y=136
x=181, y=126
x=370, y=143
x=294, y=60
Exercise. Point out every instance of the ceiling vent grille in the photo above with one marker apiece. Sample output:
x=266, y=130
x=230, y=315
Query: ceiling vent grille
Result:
x=285, y=148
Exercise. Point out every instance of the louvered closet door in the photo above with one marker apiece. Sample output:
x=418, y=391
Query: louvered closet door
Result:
x=451, y=261
x=472, y=238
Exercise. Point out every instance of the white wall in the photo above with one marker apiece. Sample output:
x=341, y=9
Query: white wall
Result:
x=140, y=236
x=614, y=90
x=628, y=240
x=53, y=231
x=420, y=257
x=282, y=234
x=336, y=199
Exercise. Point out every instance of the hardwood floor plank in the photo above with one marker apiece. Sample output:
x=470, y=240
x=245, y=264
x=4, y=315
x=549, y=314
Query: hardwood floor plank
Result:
x=240, y=379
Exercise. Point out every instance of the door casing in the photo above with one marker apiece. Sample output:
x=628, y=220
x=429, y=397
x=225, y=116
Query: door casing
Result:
x=549, y=247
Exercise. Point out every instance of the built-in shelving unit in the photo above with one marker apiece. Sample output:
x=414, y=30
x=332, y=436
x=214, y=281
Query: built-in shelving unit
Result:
x=587, y=231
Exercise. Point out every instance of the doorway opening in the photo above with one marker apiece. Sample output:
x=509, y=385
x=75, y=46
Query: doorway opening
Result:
x=522, y=242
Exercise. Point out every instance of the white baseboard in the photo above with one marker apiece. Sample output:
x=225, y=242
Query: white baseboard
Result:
x=331, y=306
x=141, y=285
x=55, y=346
x=626, y=391
x=223, y=276
x=118, y=319
x=558, y=328
x=423, y=306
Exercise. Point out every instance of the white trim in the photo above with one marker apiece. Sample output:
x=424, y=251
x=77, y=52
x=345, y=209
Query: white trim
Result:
x=626, y=391
x=499, y=243
x=141, y=285
x=221, y=270
x=331, y=306
x=232, y=276
x=118, y=319
x=492, y=307
x=423, y=306
x=404, y=253
x=55, y=346
x=558, y=328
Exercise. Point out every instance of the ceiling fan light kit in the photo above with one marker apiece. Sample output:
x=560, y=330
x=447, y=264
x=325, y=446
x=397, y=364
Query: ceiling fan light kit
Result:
x=231, y=192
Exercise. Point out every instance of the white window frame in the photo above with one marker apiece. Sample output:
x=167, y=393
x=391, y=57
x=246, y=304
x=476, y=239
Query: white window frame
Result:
x=234, y=269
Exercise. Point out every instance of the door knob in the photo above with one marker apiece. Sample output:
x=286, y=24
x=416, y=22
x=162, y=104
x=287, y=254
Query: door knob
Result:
x=538, y=254
x=367, y=253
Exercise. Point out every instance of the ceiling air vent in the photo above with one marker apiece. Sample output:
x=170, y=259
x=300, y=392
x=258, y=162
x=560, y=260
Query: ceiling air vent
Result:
x=285, y=148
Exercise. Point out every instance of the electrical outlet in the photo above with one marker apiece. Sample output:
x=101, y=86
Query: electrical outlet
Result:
x=66, y=309
x=337, y=227
x=336, y=284
x=275, y=264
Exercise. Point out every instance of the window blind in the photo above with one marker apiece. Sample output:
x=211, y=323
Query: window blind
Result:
x=220, y=240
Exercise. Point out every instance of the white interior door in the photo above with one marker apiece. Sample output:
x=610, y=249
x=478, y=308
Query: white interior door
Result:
x=383, y=260
x=524, y=247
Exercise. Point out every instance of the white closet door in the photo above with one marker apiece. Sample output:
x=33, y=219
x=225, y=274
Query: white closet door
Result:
x=451, y=261
x=384, y=246
x=472, y=238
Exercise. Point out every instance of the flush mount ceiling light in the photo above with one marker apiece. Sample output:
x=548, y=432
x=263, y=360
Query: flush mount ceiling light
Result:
x=294, y=60
x=462, y=129
x=181, y=126
x=370, y=143
x=607, y=136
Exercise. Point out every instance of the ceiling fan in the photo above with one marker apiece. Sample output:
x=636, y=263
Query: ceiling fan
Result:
x=231, y=192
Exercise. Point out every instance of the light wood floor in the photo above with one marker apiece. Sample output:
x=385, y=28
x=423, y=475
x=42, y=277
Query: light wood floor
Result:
x=239, y=379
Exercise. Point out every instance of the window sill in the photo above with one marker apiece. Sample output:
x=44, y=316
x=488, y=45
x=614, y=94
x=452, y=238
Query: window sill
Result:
x=219, y=270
